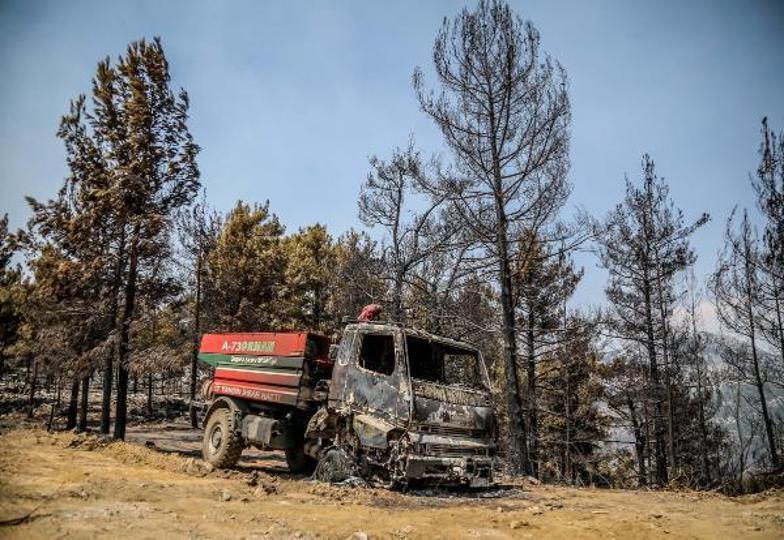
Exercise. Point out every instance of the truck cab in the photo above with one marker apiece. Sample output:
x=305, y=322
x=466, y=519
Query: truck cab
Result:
x=418, y=405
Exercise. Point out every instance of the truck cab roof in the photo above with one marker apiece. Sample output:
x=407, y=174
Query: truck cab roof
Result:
x=383, y=326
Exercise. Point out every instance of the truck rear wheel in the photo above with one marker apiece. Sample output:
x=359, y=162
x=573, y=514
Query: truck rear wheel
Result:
x=222, y=446
x=299, y=462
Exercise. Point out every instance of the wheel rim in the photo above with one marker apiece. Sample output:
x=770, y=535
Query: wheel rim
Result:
x=216, y=439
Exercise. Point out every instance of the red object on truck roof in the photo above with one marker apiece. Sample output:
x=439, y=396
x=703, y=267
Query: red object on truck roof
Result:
x=370, y=312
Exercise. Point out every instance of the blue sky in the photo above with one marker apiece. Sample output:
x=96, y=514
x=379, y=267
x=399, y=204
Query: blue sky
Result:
x=289, y=99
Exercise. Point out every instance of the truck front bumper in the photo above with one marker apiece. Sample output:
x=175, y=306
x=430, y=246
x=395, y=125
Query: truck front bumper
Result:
x=475, y=472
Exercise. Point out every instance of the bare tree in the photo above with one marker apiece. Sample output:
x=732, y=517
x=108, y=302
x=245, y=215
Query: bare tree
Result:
x=504, y=112
x=389, y=199
x=699, y=376
x=644, y=243
x=769, y=186
x=742, y=416
x=736, y=288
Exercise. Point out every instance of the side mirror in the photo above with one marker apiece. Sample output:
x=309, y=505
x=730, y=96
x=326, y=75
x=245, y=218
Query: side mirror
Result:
x=333, y=352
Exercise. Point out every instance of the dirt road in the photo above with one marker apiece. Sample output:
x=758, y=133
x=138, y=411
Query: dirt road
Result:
x=67, y=486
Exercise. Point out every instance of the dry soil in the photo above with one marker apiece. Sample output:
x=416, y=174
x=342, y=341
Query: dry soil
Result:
x=63, y=485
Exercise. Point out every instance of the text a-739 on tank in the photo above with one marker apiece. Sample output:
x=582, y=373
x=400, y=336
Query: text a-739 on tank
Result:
x=388, y=403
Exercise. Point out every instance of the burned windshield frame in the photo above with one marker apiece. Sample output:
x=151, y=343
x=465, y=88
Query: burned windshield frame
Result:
x=428, y=360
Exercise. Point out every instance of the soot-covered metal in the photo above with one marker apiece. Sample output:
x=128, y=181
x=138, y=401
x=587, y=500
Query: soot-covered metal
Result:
x=410, y=406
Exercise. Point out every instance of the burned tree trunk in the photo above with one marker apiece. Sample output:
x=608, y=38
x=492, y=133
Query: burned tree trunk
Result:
x=504, y=112
x=760, y=387
x=149, y=394
x=33, y=387
x=532, y=416
x=73, y=404
x=517, y=437
x=108, y=371
x=656, y=391
x=667, y=358
x=124, y=345
x=195, y=345
x=640, y=443
x=84, y=404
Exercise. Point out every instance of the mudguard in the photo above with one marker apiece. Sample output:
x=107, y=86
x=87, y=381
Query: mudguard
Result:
x=237, y=408
x=268, y=432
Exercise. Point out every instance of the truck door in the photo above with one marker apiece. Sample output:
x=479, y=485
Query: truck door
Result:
x=375, y=379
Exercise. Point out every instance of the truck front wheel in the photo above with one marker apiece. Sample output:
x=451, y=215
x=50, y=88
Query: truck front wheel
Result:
x=222, y=446
x=335, y=466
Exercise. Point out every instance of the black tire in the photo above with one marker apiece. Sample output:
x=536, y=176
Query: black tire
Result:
x=299, y=462
x=222, y=446
x=335, y=465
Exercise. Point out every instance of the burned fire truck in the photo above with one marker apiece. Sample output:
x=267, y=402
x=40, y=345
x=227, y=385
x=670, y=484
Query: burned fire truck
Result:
x=388, y=403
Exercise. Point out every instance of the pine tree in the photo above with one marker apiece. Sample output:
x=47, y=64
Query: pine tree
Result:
x=58, y=328
x=544, y=279
x=198, y=229
x=65, y=313
x=132, y=165
x=356, y=278
x=644, y=243
x=573, y=426
x=245, y=272
x=769, y=186
x=10, y=280
x=394, y=199
x=311, y=258
x=737, y=290
x=504, y=113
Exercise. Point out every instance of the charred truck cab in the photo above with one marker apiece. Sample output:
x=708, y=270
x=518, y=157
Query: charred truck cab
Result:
x=388, y=403
x=414, y=406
